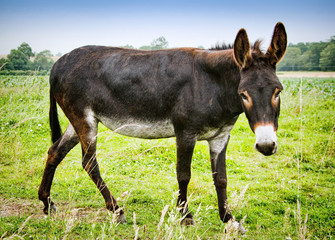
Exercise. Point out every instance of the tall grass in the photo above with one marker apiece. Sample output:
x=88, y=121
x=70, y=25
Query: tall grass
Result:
x=288, y=195
x=302, y=228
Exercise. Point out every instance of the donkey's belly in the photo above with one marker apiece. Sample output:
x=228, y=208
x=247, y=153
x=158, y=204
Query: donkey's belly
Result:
x=139, y=128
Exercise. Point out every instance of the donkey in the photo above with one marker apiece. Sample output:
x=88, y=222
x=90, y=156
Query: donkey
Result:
x=188, y=93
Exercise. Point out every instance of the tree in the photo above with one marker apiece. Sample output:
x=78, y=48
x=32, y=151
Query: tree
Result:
x=156, y=44
x=159, y=43
x=26, y=49
x=19, y=60
x=128, y=46
x=308, y=62
x=145, y=47
x=43, y=60
x=327, y=58
x=315, y=48
x=291, y=60
x=332, y=39
x=302, y=46
x=5, y=64
x=307, y=57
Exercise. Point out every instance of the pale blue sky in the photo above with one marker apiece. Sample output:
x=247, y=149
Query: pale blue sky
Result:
x=63, y=25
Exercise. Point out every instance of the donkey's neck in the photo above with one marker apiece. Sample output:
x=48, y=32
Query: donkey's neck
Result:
x=220, y=63
x=222, y=68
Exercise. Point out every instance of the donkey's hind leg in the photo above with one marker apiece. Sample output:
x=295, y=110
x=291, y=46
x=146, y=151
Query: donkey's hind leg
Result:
x=88, y=139
x=56, y=154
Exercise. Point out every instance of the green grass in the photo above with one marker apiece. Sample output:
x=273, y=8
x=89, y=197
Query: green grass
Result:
x=141, y=173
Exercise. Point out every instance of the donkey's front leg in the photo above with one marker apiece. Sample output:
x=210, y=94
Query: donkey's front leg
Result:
x=185, y=146
x=218, y=162
x=218, y=149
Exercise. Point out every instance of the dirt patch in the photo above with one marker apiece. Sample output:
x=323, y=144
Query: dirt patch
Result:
x=18, y=207
x=307, y=74
x=27, y=207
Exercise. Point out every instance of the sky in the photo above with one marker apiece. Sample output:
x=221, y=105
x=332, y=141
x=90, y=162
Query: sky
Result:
x=62, y=25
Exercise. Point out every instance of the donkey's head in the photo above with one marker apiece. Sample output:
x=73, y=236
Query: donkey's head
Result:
x=259, y=86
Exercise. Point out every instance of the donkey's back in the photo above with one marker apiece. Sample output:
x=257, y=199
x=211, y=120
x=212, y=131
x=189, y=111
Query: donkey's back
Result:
x=131, y=91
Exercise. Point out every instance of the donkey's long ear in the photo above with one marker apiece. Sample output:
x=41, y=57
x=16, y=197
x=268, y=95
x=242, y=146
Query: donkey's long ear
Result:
x=242, y=51
x=278, y=44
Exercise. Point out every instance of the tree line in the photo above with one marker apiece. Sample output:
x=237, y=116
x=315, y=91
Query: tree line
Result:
x=314, y=56
x=156, y=44
x=23, y=58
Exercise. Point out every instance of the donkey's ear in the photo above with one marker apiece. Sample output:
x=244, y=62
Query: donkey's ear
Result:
x=242, y=51
x=278, y=44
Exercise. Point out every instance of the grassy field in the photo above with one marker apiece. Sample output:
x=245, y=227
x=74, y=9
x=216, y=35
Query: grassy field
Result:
x=289, y=195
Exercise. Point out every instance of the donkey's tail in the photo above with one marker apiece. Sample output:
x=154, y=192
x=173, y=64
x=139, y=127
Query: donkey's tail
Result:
x=56, y=131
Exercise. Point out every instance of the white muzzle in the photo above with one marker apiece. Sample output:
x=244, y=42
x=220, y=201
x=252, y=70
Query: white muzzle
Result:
x=266, y=139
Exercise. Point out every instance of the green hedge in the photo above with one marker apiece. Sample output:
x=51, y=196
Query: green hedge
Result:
x=23, y=72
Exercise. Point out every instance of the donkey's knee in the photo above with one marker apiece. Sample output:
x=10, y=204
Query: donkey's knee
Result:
x=220, y=180
x=183, y=178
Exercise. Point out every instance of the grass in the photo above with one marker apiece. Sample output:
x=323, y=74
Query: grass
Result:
x=289, y=195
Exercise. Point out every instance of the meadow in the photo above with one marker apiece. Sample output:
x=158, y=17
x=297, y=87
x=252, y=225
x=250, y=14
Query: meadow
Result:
x=289, y=195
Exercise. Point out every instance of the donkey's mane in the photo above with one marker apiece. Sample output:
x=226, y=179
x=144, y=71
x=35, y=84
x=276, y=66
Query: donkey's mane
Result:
x=223, y=46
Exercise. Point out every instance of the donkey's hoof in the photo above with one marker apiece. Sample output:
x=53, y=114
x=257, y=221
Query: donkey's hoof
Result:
x=235, y=226
x=51, y=209
x=187, y=221
x=119, y=217
x=122, y=219
x=241, y=229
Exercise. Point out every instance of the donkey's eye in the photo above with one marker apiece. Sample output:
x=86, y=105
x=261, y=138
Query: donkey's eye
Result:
x=244, y=97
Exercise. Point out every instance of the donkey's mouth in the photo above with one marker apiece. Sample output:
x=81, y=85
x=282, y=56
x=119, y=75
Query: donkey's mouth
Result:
x=266, y=140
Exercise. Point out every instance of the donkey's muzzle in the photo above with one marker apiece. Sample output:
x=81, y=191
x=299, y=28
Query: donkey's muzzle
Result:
x=266, y=148
x=266, y=140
